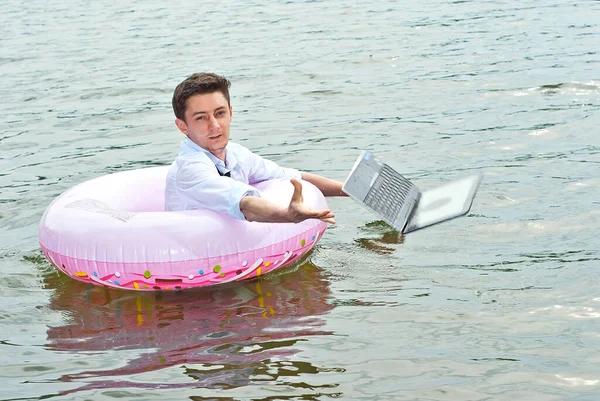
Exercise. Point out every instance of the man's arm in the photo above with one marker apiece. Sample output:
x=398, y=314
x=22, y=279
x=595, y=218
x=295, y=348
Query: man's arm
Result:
x=264, y=169
x=327, y=186
x=199, y=186
x=259, y=209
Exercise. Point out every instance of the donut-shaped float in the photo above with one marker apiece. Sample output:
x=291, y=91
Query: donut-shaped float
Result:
x=113, y=231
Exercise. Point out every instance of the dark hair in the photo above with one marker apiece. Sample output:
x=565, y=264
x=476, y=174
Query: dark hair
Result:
x=198, y=84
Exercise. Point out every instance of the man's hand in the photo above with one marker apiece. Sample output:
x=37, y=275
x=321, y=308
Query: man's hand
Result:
x=255, y=208
x=298, y=212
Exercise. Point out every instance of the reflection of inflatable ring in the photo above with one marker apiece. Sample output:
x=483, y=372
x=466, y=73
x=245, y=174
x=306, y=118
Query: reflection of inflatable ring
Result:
x=113, y=231
x=226, y=335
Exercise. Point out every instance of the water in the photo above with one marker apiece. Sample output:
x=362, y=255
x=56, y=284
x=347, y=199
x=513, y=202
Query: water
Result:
x=502, y=304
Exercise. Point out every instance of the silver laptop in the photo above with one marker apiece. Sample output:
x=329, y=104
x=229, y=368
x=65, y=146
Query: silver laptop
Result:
x=399, y=202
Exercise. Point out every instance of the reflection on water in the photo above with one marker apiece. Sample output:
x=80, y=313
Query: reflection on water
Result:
x=222, y=337
x=385, y=237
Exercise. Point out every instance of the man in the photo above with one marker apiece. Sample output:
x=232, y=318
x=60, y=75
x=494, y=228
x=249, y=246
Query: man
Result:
x=212, y=173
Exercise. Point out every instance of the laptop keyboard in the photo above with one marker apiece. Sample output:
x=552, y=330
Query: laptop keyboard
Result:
x=390, y=192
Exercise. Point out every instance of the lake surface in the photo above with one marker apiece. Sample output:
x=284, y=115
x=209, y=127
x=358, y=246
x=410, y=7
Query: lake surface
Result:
x=503, y=304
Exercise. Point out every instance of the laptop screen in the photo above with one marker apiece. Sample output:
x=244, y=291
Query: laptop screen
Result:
x=444, y=202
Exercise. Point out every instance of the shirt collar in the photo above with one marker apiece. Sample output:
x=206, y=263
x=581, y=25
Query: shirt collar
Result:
x=189, y=146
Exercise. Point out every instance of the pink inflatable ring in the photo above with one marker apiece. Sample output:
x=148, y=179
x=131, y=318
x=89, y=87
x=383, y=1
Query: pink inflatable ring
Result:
x=113, y=231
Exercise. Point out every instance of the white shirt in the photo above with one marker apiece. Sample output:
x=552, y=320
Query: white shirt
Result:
x=193, y=181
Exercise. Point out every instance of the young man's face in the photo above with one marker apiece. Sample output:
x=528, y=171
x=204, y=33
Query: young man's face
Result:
x=207, y=121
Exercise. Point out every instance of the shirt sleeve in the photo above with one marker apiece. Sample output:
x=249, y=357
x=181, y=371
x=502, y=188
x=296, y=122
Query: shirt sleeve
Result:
x=263, y=169
x=198, y=183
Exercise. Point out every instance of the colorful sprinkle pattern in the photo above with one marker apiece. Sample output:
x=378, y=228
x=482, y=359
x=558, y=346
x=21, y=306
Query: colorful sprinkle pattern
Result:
x=187, y=273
